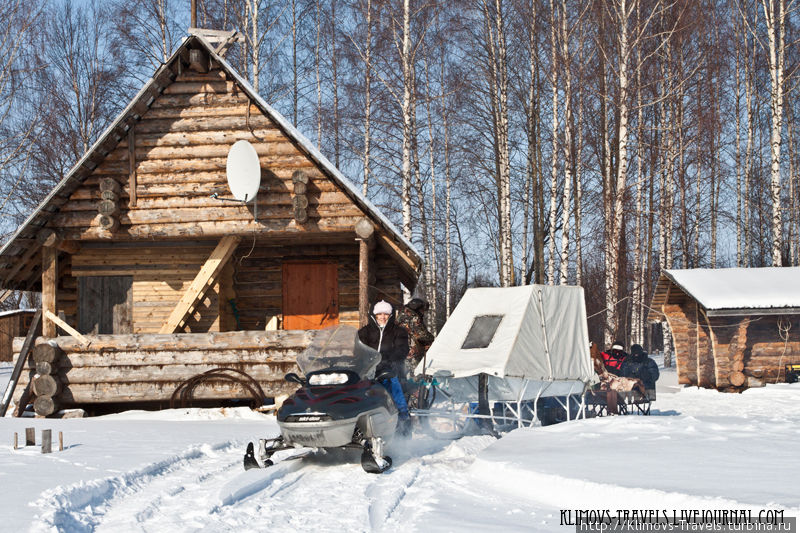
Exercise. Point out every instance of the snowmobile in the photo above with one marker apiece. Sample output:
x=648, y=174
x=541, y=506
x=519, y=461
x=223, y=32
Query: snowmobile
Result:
x=340, y=403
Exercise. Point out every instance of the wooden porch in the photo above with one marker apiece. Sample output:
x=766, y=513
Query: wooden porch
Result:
x=149, y=368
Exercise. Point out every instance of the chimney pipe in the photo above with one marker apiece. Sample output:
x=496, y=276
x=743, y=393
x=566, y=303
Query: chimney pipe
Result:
x=193, y=23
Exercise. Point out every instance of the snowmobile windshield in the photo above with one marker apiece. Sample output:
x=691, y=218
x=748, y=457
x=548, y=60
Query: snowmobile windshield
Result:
x=340, y=348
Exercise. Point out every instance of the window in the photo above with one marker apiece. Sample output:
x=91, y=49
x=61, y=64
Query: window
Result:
x=482, y=331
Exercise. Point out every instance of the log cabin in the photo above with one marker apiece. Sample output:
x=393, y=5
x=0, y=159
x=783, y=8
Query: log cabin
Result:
x=143, y=254
x=733, y=328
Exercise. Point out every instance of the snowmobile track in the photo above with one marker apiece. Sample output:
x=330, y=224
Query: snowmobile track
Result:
x=206, y=489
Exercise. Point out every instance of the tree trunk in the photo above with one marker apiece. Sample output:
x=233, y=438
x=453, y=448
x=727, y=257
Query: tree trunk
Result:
x=776, y=28
x=568, y=161
x=554, y=70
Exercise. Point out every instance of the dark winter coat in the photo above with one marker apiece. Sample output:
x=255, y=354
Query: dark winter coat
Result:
x=641, y=367
x=392, y=342
x=419, y=338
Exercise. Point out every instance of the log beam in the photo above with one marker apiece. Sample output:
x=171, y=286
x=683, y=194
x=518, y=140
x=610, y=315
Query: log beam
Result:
x=364, y=232
x=363, y=282
x=49, y=288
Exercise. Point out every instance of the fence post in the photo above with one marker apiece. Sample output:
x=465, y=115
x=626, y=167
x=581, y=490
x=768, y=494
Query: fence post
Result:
x=47, y=441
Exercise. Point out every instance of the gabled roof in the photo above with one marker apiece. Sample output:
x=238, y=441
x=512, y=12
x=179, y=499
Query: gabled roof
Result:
x=539, y=333
x=733, y=291
x=23, y=246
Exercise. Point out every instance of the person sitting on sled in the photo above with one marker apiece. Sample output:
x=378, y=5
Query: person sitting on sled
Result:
x=384, y=335
x=614, y=358
x=639, y=365
x=412, y=319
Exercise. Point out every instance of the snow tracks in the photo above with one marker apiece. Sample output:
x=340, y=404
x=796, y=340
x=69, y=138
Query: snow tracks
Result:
x=205, y=489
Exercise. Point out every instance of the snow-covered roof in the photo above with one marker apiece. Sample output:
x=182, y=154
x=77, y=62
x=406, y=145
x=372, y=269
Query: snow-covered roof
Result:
x=16, y=312
x=741, y=288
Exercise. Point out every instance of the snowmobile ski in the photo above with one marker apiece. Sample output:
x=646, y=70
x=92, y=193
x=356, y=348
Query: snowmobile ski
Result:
x=373, y=465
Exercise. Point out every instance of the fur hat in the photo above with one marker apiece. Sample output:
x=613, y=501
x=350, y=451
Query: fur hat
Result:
x=382, y=307
x=417, y=304
x=636, y=349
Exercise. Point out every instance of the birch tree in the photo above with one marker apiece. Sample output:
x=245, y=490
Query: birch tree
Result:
x=775, y=18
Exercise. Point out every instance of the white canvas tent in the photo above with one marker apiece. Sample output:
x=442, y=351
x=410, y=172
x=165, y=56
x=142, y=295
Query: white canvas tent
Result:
x=532, y=341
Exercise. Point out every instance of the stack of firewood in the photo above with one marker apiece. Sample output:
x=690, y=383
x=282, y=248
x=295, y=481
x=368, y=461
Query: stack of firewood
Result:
x=46, y=383
x=108, y=207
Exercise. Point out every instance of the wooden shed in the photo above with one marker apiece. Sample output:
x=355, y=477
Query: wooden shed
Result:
x=733, y=328
x=13, y=324
x=143, y=250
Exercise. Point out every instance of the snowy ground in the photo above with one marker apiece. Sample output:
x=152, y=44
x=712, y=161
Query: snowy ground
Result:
x=180, y=470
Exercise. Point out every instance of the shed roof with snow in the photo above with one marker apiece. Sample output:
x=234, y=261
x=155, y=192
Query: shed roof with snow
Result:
x=733, y=328
x=734, y=291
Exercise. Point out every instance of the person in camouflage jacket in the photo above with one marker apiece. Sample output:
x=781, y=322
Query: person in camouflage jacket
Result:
x=411, y=318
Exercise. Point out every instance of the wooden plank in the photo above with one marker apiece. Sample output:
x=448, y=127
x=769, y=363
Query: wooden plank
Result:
x=204, y=278
x=173, y=371
x=131, y=168
x=66, y=327
x=25, y=349
x=218, y=87
x=230, y=340
x=226, y=137
x=161, y=391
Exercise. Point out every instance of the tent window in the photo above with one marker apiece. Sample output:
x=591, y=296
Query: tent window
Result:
x=482, y=331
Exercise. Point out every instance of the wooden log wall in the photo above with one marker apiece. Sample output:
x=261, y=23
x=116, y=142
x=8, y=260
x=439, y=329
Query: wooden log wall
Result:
x=257, y=279
x=766, y=352
x=731, y=353
x=705, y=353
x=181, y=146
x=161, y=272
x=684, y=332
x=135, y=368
x=725, y=336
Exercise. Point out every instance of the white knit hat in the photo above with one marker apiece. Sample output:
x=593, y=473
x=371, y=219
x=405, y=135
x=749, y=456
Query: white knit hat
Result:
x=382, y=307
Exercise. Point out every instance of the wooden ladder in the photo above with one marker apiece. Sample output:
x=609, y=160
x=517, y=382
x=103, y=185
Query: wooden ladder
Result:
x=204, y=279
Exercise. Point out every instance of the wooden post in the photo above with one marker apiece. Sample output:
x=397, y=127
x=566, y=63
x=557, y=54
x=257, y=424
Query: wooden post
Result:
x=193, y=22
x=364, y=231
x=131, y=168
x=47, y=441
x=16, y=441
x=30, y=436
x=60, y=441
x=363, y=282
x=49, y=288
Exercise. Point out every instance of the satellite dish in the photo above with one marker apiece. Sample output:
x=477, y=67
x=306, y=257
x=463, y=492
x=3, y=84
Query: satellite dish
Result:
x=244, y=171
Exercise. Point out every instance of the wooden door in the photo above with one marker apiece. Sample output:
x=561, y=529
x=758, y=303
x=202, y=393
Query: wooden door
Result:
x=310, y=295
x=105, y=304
